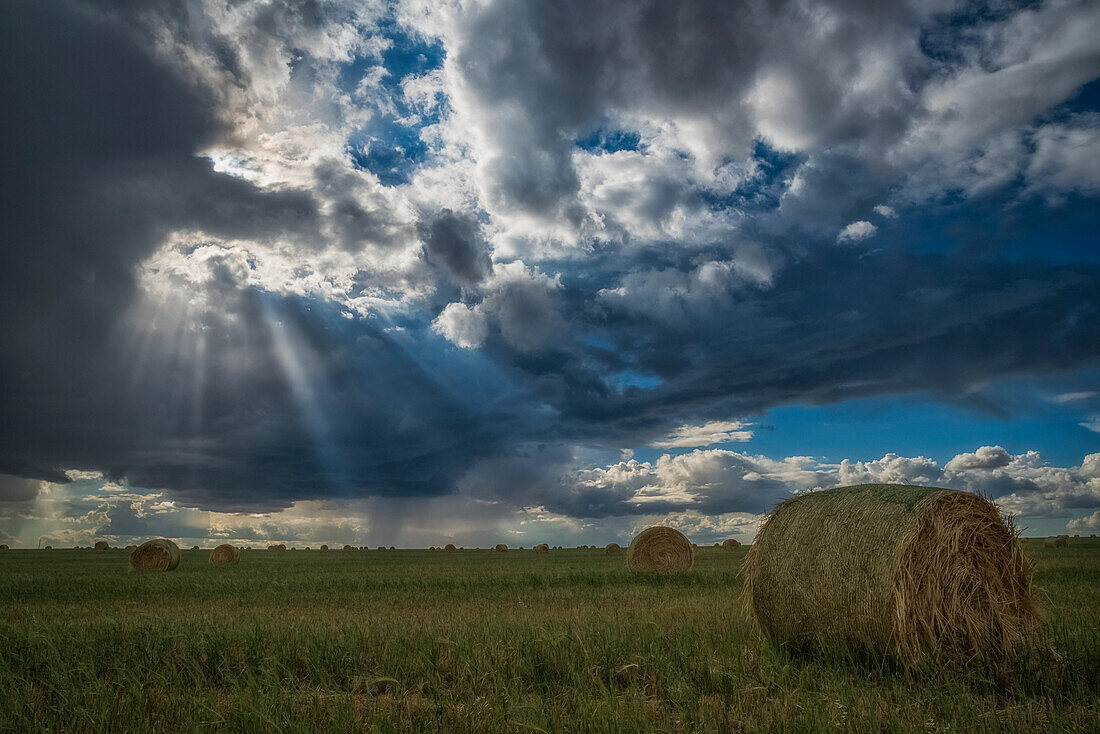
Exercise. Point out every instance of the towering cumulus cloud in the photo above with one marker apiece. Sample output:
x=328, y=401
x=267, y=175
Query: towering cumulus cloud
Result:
x=353, y=266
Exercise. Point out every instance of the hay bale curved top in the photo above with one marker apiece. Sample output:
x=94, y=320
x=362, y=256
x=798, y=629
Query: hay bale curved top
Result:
x=101, y=545
x=450, y=548
x=48, y=547
x=892, y=569
x=277, y=547
x=3, y=546
x=225, y=555
x=155, y=555
x=612, y=549
x=542, y=548
x=1060, y=541
x=660, y=549
x=500, y=547
x=731, y=544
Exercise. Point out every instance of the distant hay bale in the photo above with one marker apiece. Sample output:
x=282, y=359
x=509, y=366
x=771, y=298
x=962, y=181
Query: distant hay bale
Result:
x=612, y=548
x=225, y=555
x=731, y=544
x=195, y=547
x=277, y=547
x=660, y=549
x=48, y=547
x=324, y=547
x=1060, y=541
x=348, y=547
x=101, y=545
x=3, y=546
x=155, y=555
x=898, y=570
x=450, y=548
x=542, y=548
x=500, y=548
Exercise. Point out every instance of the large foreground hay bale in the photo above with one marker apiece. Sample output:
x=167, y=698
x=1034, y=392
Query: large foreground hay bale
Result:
x=660, y=549
x=731, y=544
x=155, y=555
x=891, y=569
x=500, y=548
x=612, y=549
x=225, y=555
x=542, y=548
x=101, y=545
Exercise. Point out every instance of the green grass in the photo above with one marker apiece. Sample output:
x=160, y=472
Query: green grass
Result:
x=371, y=641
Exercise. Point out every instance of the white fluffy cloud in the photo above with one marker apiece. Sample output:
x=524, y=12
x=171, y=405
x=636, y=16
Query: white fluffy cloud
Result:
x=464, y=326
x=987, y=457
x=856, y=231
x=1085, y=524
x=709, y=493
x=709, y=433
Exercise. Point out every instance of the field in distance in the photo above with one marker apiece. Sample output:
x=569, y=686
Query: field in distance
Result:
x=417, y=640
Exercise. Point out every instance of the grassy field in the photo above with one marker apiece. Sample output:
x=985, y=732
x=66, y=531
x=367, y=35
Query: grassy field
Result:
x=481, y=641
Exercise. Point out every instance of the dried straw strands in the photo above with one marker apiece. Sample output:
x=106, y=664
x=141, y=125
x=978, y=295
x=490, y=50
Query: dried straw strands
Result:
x=892, y=569
x=660, y=549
x=155, y=555
x=225, y=555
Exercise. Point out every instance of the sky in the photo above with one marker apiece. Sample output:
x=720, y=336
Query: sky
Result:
x=427, y=271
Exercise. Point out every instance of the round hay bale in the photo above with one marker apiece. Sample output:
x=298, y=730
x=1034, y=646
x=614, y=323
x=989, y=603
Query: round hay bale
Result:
x=195, y=547
x=731, y=544
x=277, y=547
x=225, y=555
x=660, y=549
x=612, y=548
x=155, y=555
x=130, y=548
x=48, y=547
x=542, y=548
x=101, y=545
x=1060, y=541
x=324, y=547
x=500, y=548
x=892, y=570
x=450, y=548
x=3, y=546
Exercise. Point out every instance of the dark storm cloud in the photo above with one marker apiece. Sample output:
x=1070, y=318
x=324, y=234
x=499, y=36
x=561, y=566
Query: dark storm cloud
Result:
x=455, y=242
x=17, y=489
x=612, y=346
x=568, y=64
x=104, y=169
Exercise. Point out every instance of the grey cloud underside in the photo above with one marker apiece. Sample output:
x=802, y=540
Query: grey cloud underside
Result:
x=106, y=168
